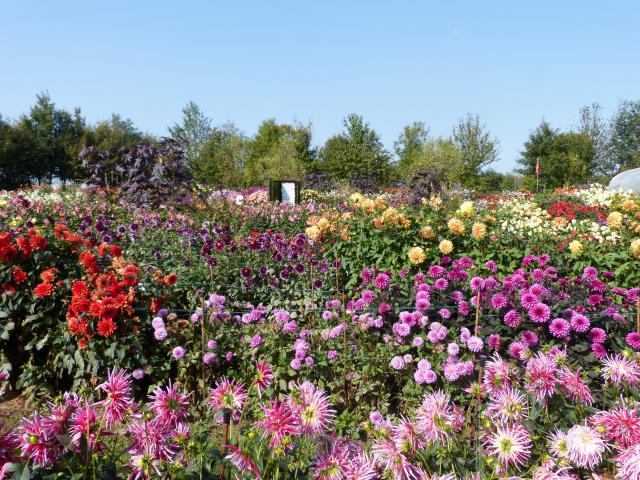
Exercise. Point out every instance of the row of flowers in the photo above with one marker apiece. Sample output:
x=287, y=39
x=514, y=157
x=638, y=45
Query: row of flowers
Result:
x=106, y=430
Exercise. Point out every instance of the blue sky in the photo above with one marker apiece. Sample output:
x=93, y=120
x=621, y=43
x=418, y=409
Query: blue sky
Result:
x=512, y=62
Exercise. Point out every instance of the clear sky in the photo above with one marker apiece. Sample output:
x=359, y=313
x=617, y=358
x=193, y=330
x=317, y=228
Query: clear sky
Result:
x=512, y=62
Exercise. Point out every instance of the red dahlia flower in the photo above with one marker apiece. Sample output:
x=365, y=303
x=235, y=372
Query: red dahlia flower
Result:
x=43, y=290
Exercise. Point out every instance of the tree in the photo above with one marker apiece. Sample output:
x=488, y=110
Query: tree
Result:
x=624, y=146
x=477, y=147
x=564, y=158
x=268, y=144
x=55, y=137
x=115, y=134
x=16, y=156
x=193, y=131
x=356, y=153
x=283, y=161
x=440, y=155
x=222, y=158
x=409, y=144
x=593, y=126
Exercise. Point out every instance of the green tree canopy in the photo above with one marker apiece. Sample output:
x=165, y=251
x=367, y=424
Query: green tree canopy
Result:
x=478, y=148
x=624, y=146
x=409, y=143
x=194, y=130
x=356, y=153
x=439, y=155
x=221, y=161
x=565, y=158
x=268, y=144
x=50, y=138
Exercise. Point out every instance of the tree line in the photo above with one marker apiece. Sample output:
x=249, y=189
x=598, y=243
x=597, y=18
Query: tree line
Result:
x=45, y=144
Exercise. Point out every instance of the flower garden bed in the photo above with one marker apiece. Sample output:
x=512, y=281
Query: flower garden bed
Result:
x=351, y=337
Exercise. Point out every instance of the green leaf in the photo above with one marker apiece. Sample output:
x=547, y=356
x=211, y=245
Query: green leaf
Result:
x=31, y=318
x=22, y=472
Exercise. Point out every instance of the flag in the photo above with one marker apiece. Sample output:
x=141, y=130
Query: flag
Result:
x=537, y=166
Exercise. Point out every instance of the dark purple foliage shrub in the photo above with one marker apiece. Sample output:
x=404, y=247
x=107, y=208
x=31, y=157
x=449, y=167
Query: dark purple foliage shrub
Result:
x=148, y=174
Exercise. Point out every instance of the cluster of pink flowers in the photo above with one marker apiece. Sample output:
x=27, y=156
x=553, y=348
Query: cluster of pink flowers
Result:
x=41, y=438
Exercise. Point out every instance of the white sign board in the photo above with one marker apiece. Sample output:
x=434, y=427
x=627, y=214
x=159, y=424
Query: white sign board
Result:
x=288, y=192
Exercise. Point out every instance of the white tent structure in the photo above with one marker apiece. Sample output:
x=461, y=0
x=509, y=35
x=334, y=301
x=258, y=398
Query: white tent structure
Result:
x=628, y=180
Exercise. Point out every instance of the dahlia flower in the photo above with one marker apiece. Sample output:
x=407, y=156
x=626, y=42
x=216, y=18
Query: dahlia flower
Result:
x=628, y=463
x=621, y=425
x=169, y=405
x=617, y=369
x=118, y=401
x=228, y=394
x=264, y=376
x=510, y=444
x=541, y=376
x=573, y=386
x=242, y=461
x=435, y=417
x=392, y=460
x=279, y=422
x=585, y=446
x=313, y=408
x=37, y=443
x=508, y=406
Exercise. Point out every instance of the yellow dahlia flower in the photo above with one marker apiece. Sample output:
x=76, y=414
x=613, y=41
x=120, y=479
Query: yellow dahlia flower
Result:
x=478, y=230
x=614, y=220
x=323, y=224
x=635, y=248
x=446, y=247
x=427, y=232
x=417, y=255
x=576, y=247
x=456, y=226
x=466, y=208
x=313, y=232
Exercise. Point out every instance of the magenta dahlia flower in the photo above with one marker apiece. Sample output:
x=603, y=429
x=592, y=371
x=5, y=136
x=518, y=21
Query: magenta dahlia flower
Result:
x=279, y=422
x=541, y=376
x=539, y=313
x=119, y=397
x=559, y=327
x=580, y=323
x=264, y=376
x=169, y=405
x=242, y=461
x=573, y=386
x=633, y=340
x=37, y=443
x=228, y=394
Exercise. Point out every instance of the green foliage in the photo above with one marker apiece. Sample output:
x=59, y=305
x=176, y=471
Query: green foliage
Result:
x=194, y=130
x=221, y=161
x=565, y=158
x=624, y=148
x=276, y=148
x=114, y=134
x=40, y=146
x=476, y=146
x=356, y=153
x=438, y=155
x=409, y=145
